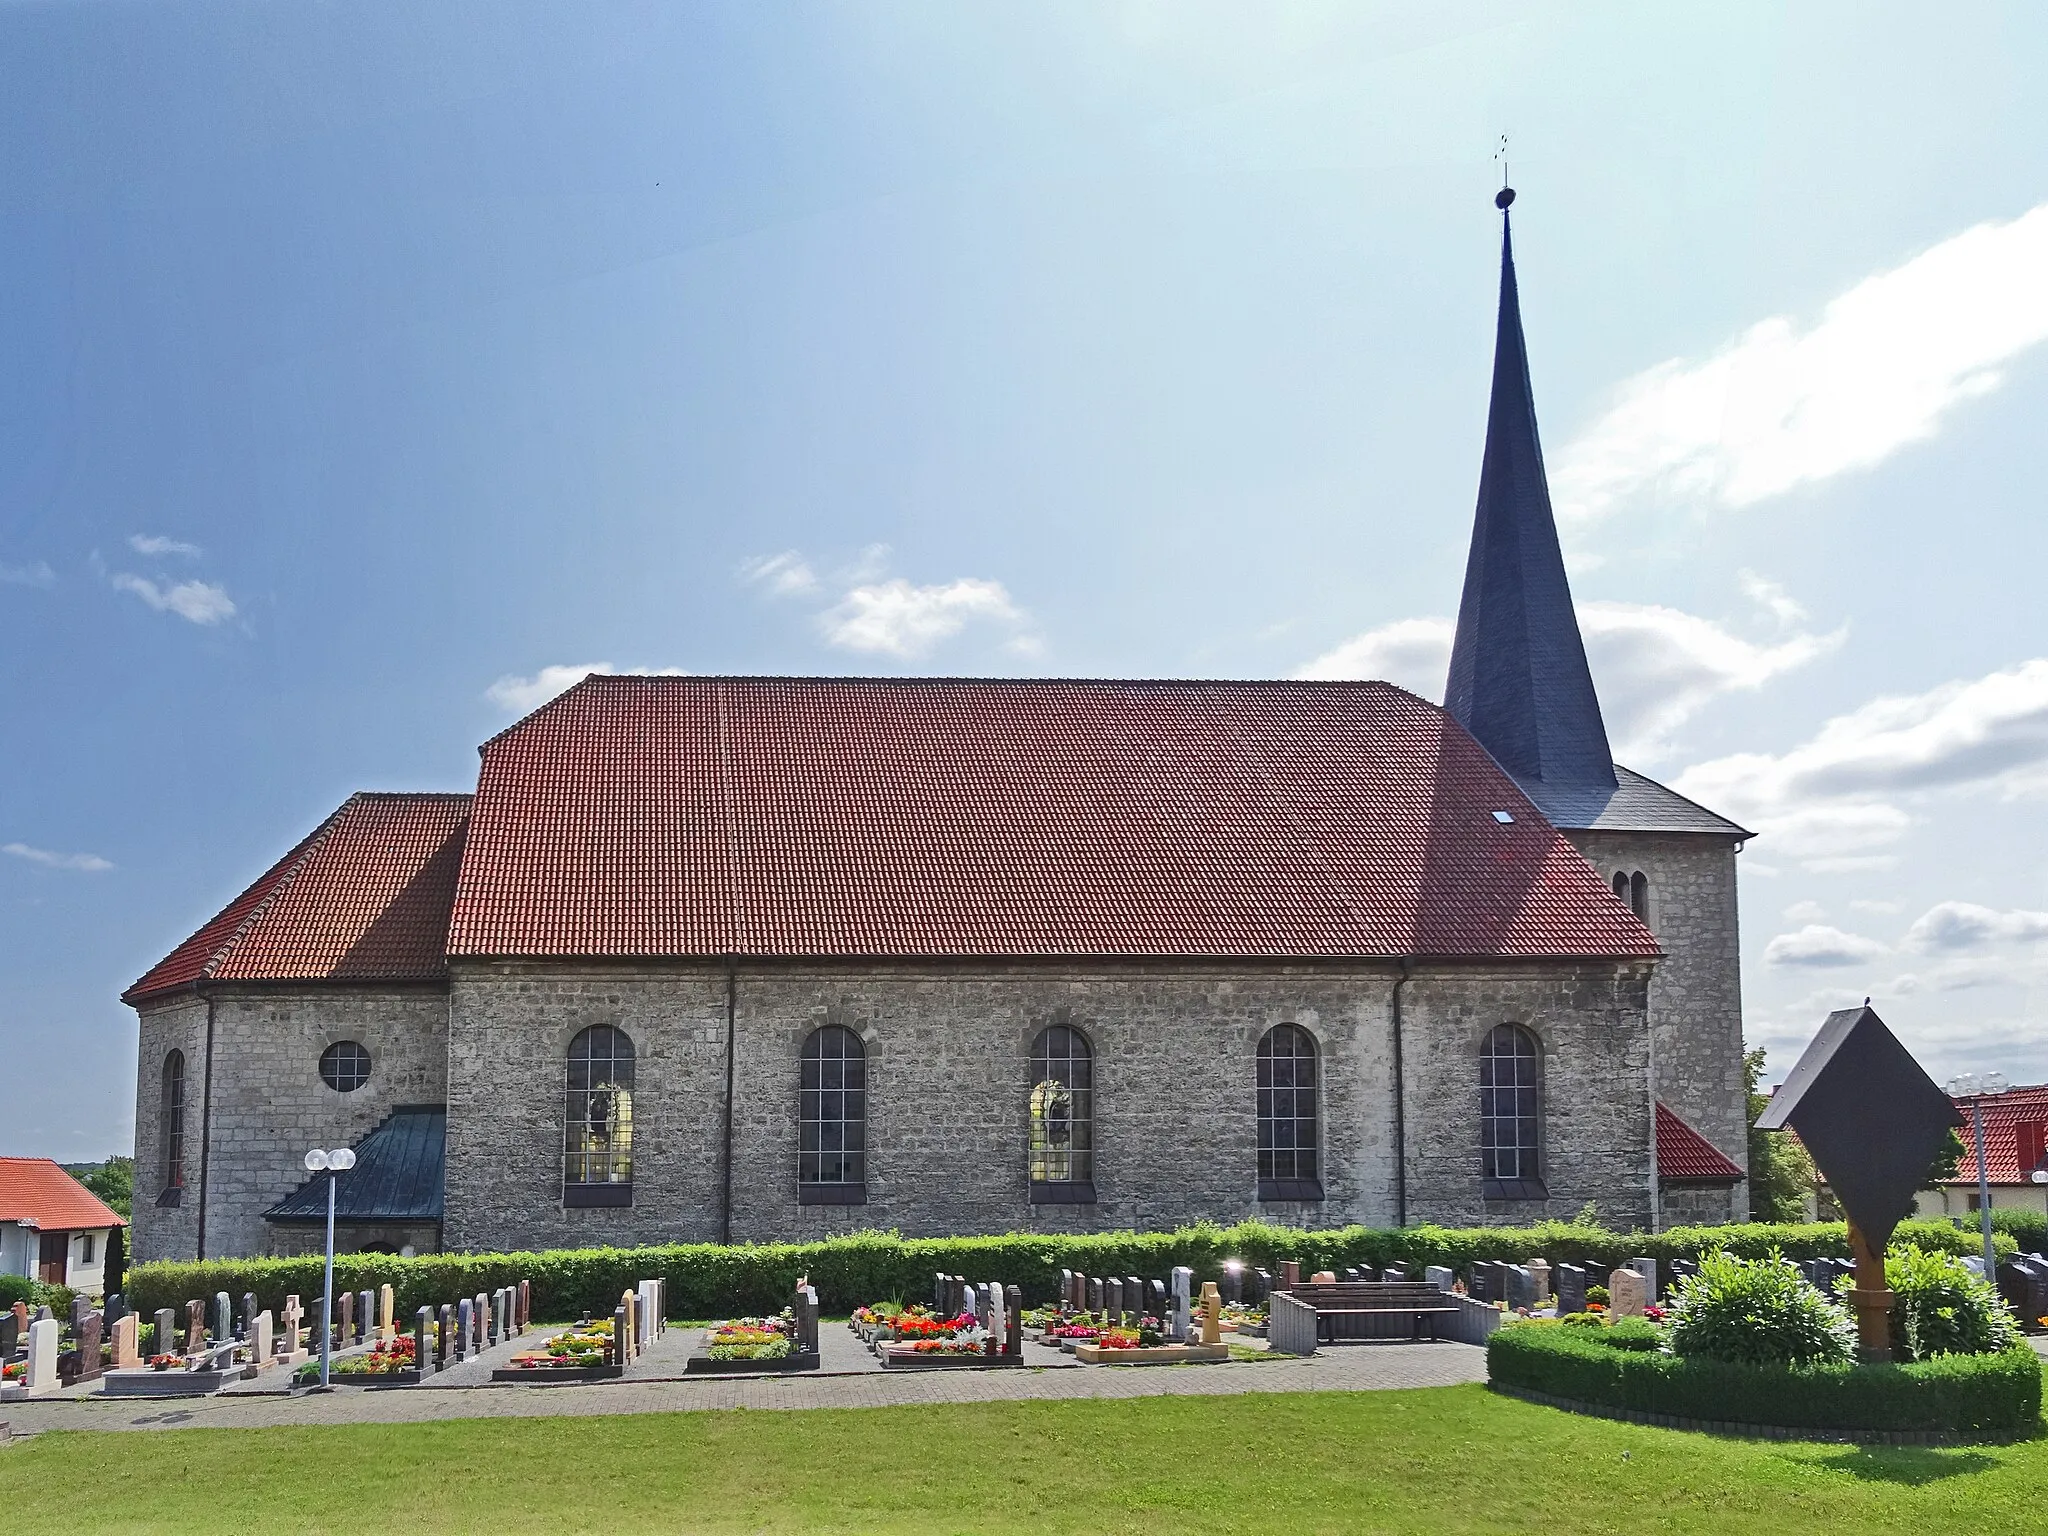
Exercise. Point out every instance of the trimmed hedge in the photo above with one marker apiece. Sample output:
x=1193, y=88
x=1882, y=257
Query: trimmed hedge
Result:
x=711, y=1280
x=1984, y=1397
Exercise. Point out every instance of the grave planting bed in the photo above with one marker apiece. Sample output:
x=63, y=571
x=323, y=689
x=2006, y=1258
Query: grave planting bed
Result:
x=750, y=1346
x=1156, y=1354
x=579, y=1353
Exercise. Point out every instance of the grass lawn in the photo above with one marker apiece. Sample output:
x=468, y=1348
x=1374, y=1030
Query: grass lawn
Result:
x=1442, y=1461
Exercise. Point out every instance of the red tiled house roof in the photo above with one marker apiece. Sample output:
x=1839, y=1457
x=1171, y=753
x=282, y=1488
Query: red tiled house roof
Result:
x=36, y=1189
x=2015, y=1136
x=365, y=897
x=1683, y=1153
x=692, y=816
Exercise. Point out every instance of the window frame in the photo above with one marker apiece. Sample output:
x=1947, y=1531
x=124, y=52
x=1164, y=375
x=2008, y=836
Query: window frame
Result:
x=1302, y=1178
x=171, y=1128
x=359, y=1066
x=1061, y=1054
x=812, y=1188
x=618, y=1066
x=1519, y=1174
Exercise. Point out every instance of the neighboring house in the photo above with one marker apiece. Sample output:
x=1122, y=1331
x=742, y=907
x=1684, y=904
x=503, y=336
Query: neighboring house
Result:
x=52, y=1228
x=2015, y=1147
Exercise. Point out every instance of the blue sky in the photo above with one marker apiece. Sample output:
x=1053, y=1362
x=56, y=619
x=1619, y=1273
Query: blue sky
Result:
x=370, y=369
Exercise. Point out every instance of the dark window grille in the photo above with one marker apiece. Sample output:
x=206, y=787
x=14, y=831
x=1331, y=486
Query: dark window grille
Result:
x=832, y=1117
x=1287, y=1115
x=1062, y=1150
x=171, y=1122
x=598, y=1136
x=1510, y=1114
x=344, y=1066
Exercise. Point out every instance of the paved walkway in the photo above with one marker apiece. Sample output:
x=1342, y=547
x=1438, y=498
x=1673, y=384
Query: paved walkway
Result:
x=850, y=1379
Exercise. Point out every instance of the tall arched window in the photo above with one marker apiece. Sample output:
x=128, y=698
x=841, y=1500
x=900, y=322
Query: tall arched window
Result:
x=1062, y=1150
x=832, y=1119
x=1287, y=1115
x=1510, y=1115
x=1634, y=891
x=597, y=1160
x=170, y=1129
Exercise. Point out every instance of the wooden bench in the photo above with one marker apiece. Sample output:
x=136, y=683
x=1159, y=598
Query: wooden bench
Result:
x=1422, y=1302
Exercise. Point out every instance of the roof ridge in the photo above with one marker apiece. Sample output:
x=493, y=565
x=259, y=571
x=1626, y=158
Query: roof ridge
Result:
x=1676, y=795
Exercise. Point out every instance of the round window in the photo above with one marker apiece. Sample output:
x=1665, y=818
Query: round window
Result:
x=345, y=1066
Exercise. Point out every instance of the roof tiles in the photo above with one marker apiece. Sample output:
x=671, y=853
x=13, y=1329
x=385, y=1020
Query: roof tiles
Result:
x=1683, y=1153
x=2015, y=1136
x=38, y=1190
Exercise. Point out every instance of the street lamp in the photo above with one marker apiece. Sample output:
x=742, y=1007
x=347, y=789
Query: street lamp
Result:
x=340, y=1160
x=1976, y=1087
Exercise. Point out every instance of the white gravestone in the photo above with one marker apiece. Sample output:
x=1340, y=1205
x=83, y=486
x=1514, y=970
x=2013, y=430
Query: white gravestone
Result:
x=260, y=1339
x=1183, y=1302
x=1440, y=1276
x=1626, y=1293
x=42, y=1355
x=1540, y=1270
x=996, y=1320
x=1647, y=1268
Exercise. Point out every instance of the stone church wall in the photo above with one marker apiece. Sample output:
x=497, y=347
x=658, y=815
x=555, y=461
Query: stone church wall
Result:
x=1696, y=997
x=167, y=1231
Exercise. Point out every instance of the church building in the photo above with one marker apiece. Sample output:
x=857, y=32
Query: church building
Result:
x=757, y=958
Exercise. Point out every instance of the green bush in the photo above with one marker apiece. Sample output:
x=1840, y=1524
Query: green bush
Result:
x=1940, y=1308
x=1630, y=1333
x=1985, y=1397
x=1758, y=1312
x=710, y=1280
x=15, y=1288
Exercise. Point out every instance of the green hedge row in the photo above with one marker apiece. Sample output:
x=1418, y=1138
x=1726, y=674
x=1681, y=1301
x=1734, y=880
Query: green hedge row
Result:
x=1988, y=1397
x=710, y=1280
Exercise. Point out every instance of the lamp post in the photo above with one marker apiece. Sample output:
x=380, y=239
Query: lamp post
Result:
x=339, y=1161
x=1976, y=1087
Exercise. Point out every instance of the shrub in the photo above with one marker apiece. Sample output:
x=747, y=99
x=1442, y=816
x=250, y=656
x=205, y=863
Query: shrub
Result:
x=1631, y=1333
x=1987, y=1397
x=15, y=1288
x=1940, y=1308
x=1758, y=1312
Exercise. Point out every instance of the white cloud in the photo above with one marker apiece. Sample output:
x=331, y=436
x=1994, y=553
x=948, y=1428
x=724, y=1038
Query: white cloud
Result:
x=1884, y=908
x=783, y=575
x=1962, y=925
x=898, y=619
x=1819, y=945
x=90, y=863
x=1655, y=667
x=1832, y=798
x=523, y=695
x=1768, y=595
x=1806, y=912
x=198, y=601
x=157, y=544
x=35, y=574
x=1780, y=406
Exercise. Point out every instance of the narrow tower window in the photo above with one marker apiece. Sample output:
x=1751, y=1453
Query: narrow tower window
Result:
x=1287, y=1115
x=1639, y=895
x=171, y=1127
x=832, y=1119
x=597, y=1162
x=1062, y=1145
x=1510, y=1115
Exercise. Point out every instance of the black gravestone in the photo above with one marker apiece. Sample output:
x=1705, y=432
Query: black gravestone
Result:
x=1570, y=1280
x=422, y=1351
x=1231, y=1287
x=1394, y=1272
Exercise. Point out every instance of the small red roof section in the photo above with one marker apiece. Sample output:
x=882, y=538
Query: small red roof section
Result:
x=365, y=897
x=2015, y=1136
x=36, y=1189
x=652, y=816
x=1683, y=1153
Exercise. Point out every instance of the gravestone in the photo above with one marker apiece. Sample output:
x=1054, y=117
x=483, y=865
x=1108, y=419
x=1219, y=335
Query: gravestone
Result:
x=346, y=1327
x=1323, y=1277
x=261, y=1342
x=248, y=1314
x=1479, y=1283
x=1521, y=1287
x=195, y=1327
x=1013, y=1303
x=478, y=1316
x=21, y=1322
x=998, y=1322
x=941, y=1293
x=294, y=1348
x=1627, y=1294
x=1647, y=1268
x=1113, y=1298
x=1540, y=1269
x=387, y=1314
x=81, y=1309
x=127, y=1341
x=491, y=1336
x=444, y=1340
x=806, y=1310
x=10, y=1334
x=1290, y=1273
x=622, y=1332
x=422, y=1343
x=1134, y=1298
x=1442, y=1276
x=223, y=1318
x=42, y=1354
x=1156, y=1303
x=1212, y=1313
x=90, y=1341
x=1095, y=1301
x=2024, y=1286
x=1183, y=1302
x=1352, y=1275
x=525, y=1304
x=1232, y=1287
x=1571, y=1289
x=1262, y=1285
x=166, y=1340
x=1066, y=1287
x=1974, y=1263
x=464, y=1327
x=116, y=1309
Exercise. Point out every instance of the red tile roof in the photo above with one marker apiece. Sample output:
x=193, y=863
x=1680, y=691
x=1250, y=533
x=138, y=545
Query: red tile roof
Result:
x=36, y=1189
x=1683, y=1153
x=2010, y=1118
x=366, y=897
x=649, y=816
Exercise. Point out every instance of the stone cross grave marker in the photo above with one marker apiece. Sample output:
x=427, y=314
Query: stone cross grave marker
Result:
x=127, y=1346
x=1212, y=1313
x=1571, y=1289
x=294, y=1349
x=1627, y=1294
x=195, y=1327
x=447, y=1340
x=387, y=1314
x=422, y=1347
x=42, y=1354
x=464, y=1328
x=1183, y=1302
x=1442, y=1276
x=261, y=1342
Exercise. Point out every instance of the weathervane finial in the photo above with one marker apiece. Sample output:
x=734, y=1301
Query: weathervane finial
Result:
x=1506, y=194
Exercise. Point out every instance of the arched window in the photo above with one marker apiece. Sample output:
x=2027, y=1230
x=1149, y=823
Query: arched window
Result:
x=1639, y=895
x=1287, y=1115
x=1621, y=886
x=832, y=1119
x=597, y=1161
x=1510, y=1115
x=1062, y=1117
x=170, y=1129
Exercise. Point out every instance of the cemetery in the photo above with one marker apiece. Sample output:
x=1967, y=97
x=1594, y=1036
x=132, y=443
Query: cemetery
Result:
x=787, y=1341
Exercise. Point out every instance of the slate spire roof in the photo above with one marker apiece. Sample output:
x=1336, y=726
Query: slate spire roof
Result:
x=1519, y=680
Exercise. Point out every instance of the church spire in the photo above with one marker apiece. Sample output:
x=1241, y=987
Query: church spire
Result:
x=1519, y=680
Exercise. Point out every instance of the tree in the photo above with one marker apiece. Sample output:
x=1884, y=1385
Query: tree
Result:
x=1946, y=1161
x=113, y=1181
x=1781, y=1172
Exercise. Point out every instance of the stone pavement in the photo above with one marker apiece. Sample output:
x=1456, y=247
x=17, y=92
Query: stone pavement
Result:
x=850, y=1379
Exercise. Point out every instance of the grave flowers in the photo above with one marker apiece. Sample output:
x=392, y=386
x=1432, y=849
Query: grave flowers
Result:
x=750, y=1338
x=165, y=1362
x=579, y=1348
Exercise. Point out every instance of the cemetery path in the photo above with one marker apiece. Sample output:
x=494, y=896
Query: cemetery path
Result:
x=1346, y=1368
